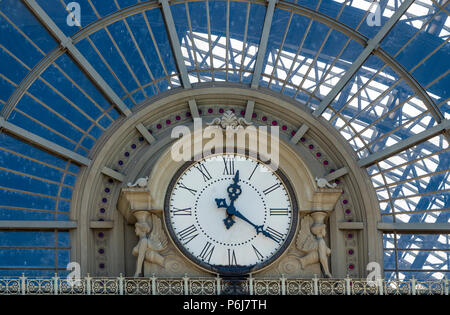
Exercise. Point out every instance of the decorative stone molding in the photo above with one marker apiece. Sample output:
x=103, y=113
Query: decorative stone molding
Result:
x=230, y=122
x=132, y=200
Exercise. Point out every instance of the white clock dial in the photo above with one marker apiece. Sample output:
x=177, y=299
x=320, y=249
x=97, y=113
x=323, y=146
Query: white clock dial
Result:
x=230, y=213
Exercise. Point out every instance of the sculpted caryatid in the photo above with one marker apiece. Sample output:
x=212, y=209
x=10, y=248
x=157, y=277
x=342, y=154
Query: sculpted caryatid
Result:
x=311, y=241
x=150, y=245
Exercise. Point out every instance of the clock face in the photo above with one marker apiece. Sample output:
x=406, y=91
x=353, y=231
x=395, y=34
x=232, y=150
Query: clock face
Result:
x=230, y=213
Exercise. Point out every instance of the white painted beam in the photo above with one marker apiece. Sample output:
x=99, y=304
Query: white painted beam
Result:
x=372, y=44
x=193, y=108
x=249, y=110
x=175, y=43
x=336, y=174
x=37, y=225
x=145, y=133
x=414, y=227
x=263, y=43
x=101, y=225
x=405, y=144
x=350, y=225
x=299, y=133
x=82, y=62
x=43, y=143
x=113, y=174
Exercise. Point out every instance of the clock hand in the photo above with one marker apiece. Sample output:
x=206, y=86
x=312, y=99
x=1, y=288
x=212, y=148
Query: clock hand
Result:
x=259, y=228
x=234, y=190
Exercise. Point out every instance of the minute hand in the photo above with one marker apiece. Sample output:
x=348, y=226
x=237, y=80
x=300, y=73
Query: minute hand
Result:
x=259, y=228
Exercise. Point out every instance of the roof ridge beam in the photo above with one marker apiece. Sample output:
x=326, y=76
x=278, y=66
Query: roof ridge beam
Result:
x=81, y=61
x=43, y=143
x=401, y=146
x=175, y=43
x=372, y=44
x=263, y=43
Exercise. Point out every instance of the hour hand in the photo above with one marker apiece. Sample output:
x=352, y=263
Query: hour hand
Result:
x=221, y=203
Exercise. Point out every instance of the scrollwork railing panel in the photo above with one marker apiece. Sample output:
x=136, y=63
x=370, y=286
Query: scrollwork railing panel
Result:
x=397, y=287
x=137, y=286
x=10, y=286
x=267, y=287
x=202, y=286
x=363, y=287
x=228, y=286
x=169, y=286
x=332, y=287
x=429, y=287
x=104, y=286
x=39, y=286
x=299, y=287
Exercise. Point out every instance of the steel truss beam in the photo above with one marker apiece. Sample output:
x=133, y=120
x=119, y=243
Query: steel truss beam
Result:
x=67, y=44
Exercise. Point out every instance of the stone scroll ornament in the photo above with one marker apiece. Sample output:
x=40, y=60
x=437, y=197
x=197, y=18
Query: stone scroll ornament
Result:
x=140, y=182
x=229, y=121
x=310, y=241
x=152, y=241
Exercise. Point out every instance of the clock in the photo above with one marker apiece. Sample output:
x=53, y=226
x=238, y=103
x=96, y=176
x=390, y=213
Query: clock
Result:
x=230, y=214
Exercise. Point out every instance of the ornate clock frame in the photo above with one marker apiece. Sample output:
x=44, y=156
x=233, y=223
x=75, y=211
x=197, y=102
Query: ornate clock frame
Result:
x=106, y=209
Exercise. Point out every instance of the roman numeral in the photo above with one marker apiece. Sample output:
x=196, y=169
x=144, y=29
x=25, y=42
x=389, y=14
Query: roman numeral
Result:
x=279, y=211
x=258, y=254
x=207, y=252
x=250, y=177
x=271, y=188
x=229, y=166
x=188, y=234
x=185, y=211
x=192, y=191
x=276, y=236
x=232, y=257
x=202, y=169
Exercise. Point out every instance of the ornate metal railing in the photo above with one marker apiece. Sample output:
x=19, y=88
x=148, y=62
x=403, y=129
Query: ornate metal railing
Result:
x=214, y=286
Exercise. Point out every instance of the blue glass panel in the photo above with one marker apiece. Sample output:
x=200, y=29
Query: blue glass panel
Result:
x=157, y=25
x=30, y=273
x=27, y=258
x=104, y=7
x=63, y=257
x=63, y=239
x=22, y=18
x=389, y=259
x=108, y=51
x=66, y=193
x=144, y=40
x=60, y=14
x=62, y=108
x=24, y=183
x=24, y=165
x=15, y=214
x=17, y=199
x=128, y=49
x=98, y=63
x=32, y=126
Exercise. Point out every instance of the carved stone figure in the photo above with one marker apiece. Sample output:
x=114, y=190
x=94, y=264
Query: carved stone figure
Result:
x=140, y=182
x=311, y=241
x=322, y=183
x=229, y=121
x=152, y=241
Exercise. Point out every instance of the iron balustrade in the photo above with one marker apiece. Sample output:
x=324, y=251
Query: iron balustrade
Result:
x=215, y=286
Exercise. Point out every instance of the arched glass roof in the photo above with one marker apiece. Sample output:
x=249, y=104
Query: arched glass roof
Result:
x=383, y=84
